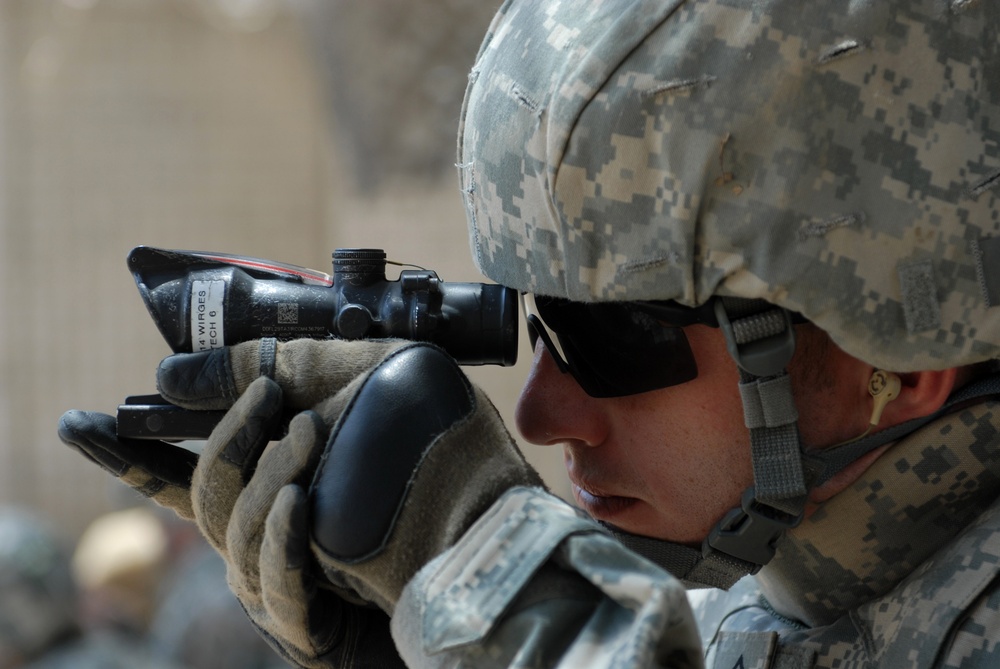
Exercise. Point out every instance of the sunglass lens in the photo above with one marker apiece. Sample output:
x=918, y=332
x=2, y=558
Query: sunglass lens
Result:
x=616, y=349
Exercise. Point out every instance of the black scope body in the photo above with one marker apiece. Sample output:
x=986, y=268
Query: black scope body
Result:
x=201, y=300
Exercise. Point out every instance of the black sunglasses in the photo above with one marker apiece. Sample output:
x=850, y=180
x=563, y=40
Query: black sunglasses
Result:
x=614, y=349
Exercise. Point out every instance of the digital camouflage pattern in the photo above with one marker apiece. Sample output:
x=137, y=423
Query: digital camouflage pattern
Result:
x=915, y=498
x=898, y=570
x=840, y=159
x=534, y=583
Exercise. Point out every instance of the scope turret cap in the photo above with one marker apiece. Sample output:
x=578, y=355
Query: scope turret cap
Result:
x=840, y=159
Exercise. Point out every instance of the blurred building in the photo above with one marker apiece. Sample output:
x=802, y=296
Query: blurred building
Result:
x=280, y=129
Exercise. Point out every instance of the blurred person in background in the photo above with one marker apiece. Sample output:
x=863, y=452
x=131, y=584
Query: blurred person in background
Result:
x=40, y=621
x=198, y=621
x=147, y=576
x=37, y=590
x=119, y=562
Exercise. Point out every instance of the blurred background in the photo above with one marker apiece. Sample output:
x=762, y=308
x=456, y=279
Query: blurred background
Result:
x=273, y=128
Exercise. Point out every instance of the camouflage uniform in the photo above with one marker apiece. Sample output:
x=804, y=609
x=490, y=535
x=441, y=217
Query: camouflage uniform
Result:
x=535, y=584
x=899, y=570
x=840, y=160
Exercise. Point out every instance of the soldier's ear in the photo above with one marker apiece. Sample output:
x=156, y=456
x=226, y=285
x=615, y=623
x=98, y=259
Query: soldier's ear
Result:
x=920, y=394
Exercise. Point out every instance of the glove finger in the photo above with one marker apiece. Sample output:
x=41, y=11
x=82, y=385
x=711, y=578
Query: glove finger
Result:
x=288, y=597
x=308, y=370
x=319, y=629
x=230, y=457
x=290, y=461
x=156, y=469
x=206, y=379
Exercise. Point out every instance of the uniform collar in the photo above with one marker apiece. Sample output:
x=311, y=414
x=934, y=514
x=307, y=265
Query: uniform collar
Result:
x=915, y=498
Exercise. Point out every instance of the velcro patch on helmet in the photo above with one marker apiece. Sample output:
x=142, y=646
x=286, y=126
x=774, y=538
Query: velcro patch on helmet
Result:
x=921, y=307
x=987, y=254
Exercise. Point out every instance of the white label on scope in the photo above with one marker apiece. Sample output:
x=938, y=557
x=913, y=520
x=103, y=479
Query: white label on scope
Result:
x=207, y=315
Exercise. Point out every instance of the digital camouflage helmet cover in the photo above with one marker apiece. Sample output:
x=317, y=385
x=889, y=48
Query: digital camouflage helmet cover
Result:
x=839, y=159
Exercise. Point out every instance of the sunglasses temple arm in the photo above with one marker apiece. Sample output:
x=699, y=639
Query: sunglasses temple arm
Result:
x=538, y=329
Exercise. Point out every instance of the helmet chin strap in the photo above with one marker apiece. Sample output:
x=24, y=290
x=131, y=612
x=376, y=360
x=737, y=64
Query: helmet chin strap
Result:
x=761, y=339
x=757, y=530
x=694, y=567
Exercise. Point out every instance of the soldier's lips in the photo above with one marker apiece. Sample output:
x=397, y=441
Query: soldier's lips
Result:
x=600, y=506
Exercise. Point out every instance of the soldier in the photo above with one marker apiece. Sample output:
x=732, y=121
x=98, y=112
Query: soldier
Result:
x=760, y=250
x=41, y=626
x=38, y=597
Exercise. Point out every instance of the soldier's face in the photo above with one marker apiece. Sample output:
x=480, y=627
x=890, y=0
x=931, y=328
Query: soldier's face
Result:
x=669, y=463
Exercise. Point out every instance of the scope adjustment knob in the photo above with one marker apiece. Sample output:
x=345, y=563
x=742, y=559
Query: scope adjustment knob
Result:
x=353, y=322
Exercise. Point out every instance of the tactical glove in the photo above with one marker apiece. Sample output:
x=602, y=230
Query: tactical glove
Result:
x=394, y=455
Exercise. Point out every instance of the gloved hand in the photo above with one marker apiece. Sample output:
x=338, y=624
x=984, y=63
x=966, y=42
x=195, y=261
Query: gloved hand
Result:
x=394, y=455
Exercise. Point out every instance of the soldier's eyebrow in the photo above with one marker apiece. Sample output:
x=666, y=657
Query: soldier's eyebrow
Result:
x=847, y=47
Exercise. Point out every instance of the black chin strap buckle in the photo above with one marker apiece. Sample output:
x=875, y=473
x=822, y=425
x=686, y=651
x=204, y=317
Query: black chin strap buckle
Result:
x=750, y=532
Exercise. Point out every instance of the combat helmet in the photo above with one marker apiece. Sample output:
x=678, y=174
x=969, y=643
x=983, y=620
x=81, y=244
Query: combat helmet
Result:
x=839, y=161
